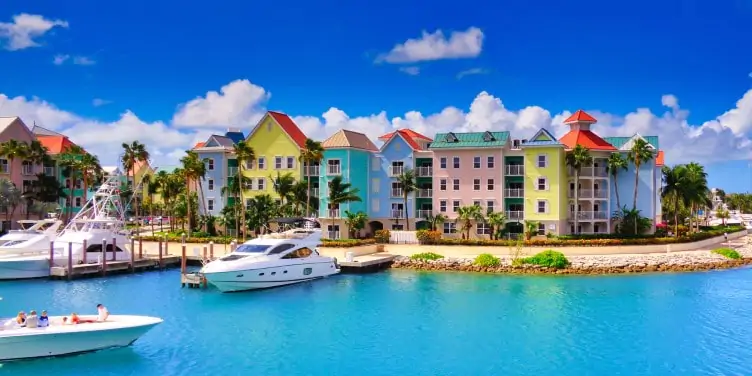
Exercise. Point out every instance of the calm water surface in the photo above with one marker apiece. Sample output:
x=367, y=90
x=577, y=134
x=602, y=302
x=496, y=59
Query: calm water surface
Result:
x=410, y=323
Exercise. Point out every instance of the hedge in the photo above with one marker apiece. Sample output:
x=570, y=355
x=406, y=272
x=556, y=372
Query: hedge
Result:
x=333, y=243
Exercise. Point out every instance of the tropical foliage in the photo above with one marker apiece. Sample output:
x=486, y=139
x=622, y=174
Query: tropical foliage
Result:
x=578, y=158
x=685, y=191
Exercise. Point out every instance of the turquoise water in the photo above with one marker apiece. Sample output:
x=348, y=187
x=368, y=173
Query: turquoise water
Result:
x=402, y=322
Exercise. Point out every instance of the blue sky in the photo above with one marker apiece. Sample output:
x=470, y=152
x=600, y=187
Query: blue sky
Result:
x=151, y=57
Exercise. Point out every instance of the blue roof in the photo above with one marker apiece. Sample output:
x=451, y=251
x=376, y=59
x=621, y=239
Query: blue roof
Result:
x=235, y=136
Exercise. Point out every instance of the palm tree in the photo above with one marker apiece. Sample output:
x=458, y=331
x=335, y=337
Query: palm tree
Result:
x=194, y=170
x=531, y=227
x=283, y=186
x=244, y=154
x=312, y=153
x=12, y=150
x=496, y=221
x=466, y=215
x=406, y=181
x=10, y=197
x=233, y=189
x=45, y=189
x=436, y=221
x=696, y=190
x=723, y=214
x=355, y=222
x=90, y=171
x=133, y=153
x=674, y=181
x=616, y=162
x=299, y=197
x=640, y=153
x=70, y=160
x=577, y=158
x=341, y=193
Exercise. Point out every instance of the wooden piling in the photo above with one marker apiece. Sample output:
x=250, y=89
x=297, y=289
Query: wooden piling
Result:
x=140, y=247
x=83, y=251
x=166, y=246
x=52, y=254
x=211, y=250
x=131, y=254
x=161, y=263
x=205, y=253
x=70, y=261
x=184, y=257
x=114, y=249
x=104, y=257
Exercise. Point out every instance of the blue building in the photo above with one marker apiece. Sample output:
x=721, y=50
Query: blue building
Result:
x=221, y=165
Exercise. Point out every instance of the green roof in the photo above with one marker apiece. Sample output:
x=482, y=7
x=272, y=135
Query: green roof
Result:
x=618, y=142
x=469, y=140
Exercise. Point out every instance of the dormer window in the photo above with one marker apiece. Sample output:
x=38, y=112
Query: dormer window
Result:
x=488, y=137
x=450, y=137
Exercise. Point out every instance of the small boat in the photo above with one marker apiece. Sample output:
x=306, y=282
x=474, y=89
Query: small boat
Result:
x=273, y=260
x=18, y=343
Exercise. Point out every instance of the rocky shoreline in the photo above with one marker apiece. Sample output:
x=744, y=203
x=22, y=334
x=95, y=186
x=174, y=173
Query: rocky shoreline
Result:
x=588, y=265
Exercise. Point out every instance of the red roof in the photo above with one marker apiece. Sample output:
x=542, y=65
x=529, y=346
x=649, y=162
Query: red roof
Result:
x=55, y=144
x=659, y=159
x=587, y=139
x=289, y=127
x=409, y=135
x=580, y=116
x=199, y=145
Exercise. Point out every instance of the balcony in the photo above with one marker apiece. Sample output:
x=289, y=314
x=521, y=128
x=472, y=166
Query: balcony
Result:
x=600, y=172
x=396, y=192
x=514, y=193
x=589, y=193
x=514, y=170
x=424, y=171
x=333, y=234
x=312, y=170
x=232, y=171
x=333, y=213
x=424, y=213
x=600, y=193
x=49, y=171
x=27, y=170
x=515, y=215
x=315, y=192
x=396, y=170
x=589, y=215
x=398, y=213
x=334, y=170
x=425, y=193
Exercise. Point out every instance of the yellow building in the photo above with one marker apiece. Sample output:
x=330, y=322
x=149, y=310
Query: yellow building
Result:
x=277, y=142
x=545, y=170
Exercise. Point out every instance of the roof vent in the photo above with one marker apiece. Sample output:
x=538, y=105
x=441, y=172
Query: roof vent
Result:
x=488, y=137
x=450, y=137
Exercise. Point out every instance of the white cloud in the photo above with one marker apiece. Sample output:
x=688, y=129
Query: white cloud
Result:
x=97, y=102
x=471, y=72
x=83, y=60
x=60, y=59
x=435, y=46
x=413, y=71
x=241, y=103
x=21, y=33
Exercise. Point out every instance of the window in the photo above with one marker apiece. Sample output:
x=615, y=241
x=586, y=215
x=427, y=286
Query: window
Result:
x=333, y=167
x=77, y=202
x=67, y=183
x=490, y=184
x=450, y=227
x=307, y=271
x=443, y=206
x=542, y=162
x=476, y=184
x=442, y=184
x=455, y=205
x=281, y=248
x=489, y=206
x=3, y=165
x=482, y=228
x=375, y=183
x=541, y=229
x=262, y=163
x=542, y=184
x=375, y=164
x=210, y=184
x=277, y=163
x=456, y=162
x=210, y=204
x=79, y=183
x=397, y=168
x=298, y=253
x=210, y=164
x=250, y=164
x=290, y=162
x=396, y=189
x=476, y=162
x=260, y=184
x=398, y=227
x=490, y=161
x=375, y=204
x=596, y=228
x=333, y=231
x=476, y=203
x=456, y=184
x=542, y=206
x=248, y=203
x=442, y=162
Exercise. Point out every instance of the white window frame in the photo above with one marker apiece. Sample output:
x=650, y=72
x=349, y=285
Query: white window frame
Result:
x=479, y=184
x=277, y=162
x=290, y=163
x=490, y=206
x=490, y=184
x=456, y=204
x=248, y=203
x=250, y=165
x=541, y=229
x=375, y=163
x=456, y=184
x=538, y=160
x=262, y=163
x=482, y=228
x=443, y=163
x=442, y=206
x=375, y=184
x=545, y=207
x=478, y=203
x=4, y=166
x=456, y=162
x=490, y=161
x=449, y=227
x=375, y=204
x=210, y=164
x=210, y=184
x=210, y=204
x=443, y=184
x=77, y=202
x=477, y=161
x=261, y=184
x=545, y=183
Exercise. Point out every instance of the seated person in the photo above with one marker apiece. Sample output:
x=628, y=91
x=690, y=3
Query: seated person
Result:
x=32, y=321
x=21, y=319
x=74, y=318
x=102, y=313
x=44, y=320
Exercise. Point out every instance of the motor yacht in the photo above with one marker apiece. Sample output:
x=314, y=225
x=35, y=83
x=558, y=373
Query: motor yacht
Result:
x=272, y=260
x=99, y=222
x=34, y=236
x=59, y=338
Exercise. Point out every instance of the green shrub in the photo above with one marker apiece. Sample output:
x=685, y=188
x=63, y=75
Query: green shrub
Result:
x=382, y=236
x=426, y=256
x=549, y=259
x=487, y=260
x=728, y=252
x=346, y=243
x=428, y=236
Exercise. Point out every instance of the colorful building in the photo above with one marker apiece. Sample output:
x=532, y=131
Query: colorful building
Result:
x=543, y=192
x=221, y=166
x=19, y=172
x=349, y=155
x=57, y=144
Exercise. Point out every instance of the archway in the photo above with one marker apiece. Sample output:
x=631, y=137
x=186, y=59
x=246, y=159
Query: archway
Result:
x=374, y=226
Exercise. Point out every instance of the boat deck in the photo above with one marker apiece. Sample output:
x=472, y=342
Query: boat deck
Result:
x=367, y=263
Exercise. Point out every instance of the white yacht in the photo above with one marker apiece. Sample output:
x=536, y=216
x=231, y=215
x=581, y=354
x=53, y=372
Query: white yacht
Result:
x=272, y=260
x=99, y=221
x=18, y=343
x=34, y=236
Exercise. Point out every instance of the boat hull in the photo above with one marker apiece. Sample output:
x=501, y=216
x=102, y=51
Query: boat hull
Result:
x=268, y=277
x=24, y=268
x=48, y=342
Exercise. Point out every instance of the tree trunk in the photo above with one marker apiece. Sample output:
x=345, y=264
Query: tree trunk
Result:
x=616, y=192
x=407, y=219
x=188, y=206
x=308, y=190
x=242, y=200
x=676, y=216
x=576, y=200
x=636, y=185
x=151, y=213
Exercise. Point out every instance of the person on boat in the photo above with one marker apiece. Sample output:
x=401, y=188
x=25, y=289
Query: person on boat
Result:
x=65, y=320
x=102, y=313
x=74, y=318
x=21, y=319
x=32, y=321
x=44, y=320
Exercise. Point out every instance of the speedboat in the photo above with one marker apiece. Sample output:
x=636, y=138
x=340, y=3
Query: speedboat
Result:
x=34, y=236
x=18, y=343
x=272, y=260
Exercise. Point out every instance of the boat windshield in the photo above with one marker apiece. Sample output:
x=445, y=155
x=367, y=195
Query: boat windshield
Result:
x=10, y=243
x=252, y=248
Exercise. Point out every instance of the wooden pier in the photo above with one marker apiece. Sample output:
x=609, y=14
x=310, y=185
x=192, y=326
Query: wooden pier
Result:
x=125, y=266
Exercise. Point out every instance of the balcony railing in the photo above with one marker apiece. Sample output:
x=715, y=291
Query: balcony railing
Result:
x=396, y=170
x=334, y=170
x=424, y=171
x=49, y=171
x=514, y=192
x=589, y=215
x=424, y=213
x=311, y=171
x=600, y=193
x=600, y=172
x=27, y=170
x=232, y=171
x=515, y=215
x=333, y=213
x=397, y=192
x=425, y=193
x=314, y=192
x=397, y=213
x=333, y=234
x=515, y=170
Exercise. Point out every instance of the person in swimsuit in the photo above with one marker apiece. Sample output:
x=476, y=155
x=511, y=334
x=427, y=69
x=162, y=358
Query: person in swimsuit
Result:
x=74, y=318
x=21, y=319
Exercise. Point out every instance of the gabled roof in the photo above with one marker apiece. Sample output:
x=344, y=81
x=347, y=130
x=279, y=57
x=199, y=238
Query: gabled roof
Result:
x=199, y=145
x=216, y=140
x=580, y=117
x=659, y=159
x=411, y=137
x=41, y=131
x=289, y=127
x=6, y=121
x=625, y=143
x=55, y=144
x=349, y=139
x=586, y=138
x=542, y=138
x=469, y=140
x=235, y=136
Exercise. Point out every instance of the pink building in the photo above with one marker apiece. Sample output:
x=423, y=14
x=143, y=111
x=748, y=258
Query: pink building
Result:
x=467, y=170
x=20, y=172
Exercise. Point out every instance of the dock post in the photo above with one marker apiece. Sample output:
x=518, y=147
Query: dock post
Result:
x=166, y=247
x=83, y=251
x=70, y=261
x=131, y=254
x=183, y=258
x=52, y=254
x=211, y=250
x=140, y=247
x=114, y=249
x=104, y=257
x=205, y=249
x=161, y=264
x=160, y=247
